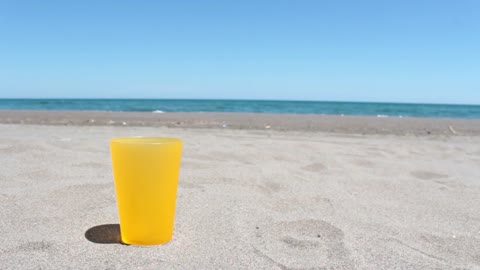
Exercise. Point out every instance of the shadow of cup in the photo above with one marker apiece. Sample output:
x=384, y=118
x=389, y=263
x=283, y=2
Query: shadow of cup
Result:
x=104, y=234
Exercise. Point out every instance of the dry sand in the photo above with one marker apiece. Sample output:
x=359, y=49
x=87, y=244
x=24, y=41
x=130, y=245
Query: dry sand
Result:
x=247, y=199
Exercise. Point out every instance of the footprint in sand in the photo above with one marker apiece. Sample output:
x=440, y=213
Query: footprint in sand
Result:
x=426, y=175
x=310, y=244
x=314, y=167
x=268, y=188
x=189, y=185
x=34, y=246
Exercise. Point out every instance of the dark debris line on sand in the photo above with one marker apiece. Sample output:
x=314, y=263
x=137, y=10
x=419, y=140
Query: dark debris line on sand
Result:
x=258, y=121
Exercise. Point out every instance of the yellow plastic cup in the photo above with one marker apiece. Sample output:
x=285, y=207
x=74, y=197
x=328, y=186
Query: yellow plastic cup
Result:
x=145, y=171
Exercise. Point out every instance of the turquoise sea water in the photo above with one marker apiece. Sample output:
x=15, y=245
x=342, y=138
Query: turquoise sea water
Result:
x=258, y=106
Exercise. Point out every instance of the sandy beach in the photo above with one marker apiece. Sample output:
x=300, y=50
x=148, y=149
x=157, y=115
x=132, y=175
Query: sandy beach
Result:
x=255, y=192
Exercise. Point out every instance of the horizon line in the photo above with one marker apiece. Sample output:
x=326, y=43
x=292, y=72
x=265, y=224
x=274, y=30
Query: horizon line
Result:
x=243, y=99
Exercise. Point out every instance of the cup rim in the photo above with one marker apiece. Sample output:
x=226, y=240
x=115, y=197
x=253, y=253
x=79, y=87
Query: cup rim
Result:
x=145, y=140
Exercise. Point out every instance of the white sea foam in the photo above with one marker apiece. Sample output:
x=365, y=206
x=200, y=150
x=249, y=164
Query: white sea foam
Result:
x=382, y=115
x=158, y=111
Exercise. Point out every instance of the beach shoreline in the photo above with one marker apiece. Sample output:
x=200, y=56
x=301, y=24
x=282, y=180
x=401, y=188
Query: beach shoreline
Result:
x=346, y=124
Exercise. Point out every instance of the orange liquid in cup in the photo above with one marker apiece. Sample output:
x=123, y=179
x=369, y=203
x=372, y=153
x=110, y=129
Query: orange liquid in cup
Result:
x=145, y=171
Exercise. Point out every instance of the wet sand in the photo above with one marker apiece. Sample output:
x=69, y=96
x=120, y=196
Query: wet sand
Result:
x=281, y=122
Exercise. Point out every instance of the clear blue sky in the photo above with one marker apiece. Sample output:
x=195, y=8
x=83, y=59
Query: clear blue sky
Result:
x=403, y=51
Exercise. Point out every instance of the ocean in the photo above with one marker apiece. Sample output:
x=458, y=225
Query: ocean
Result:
x=256, y=106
